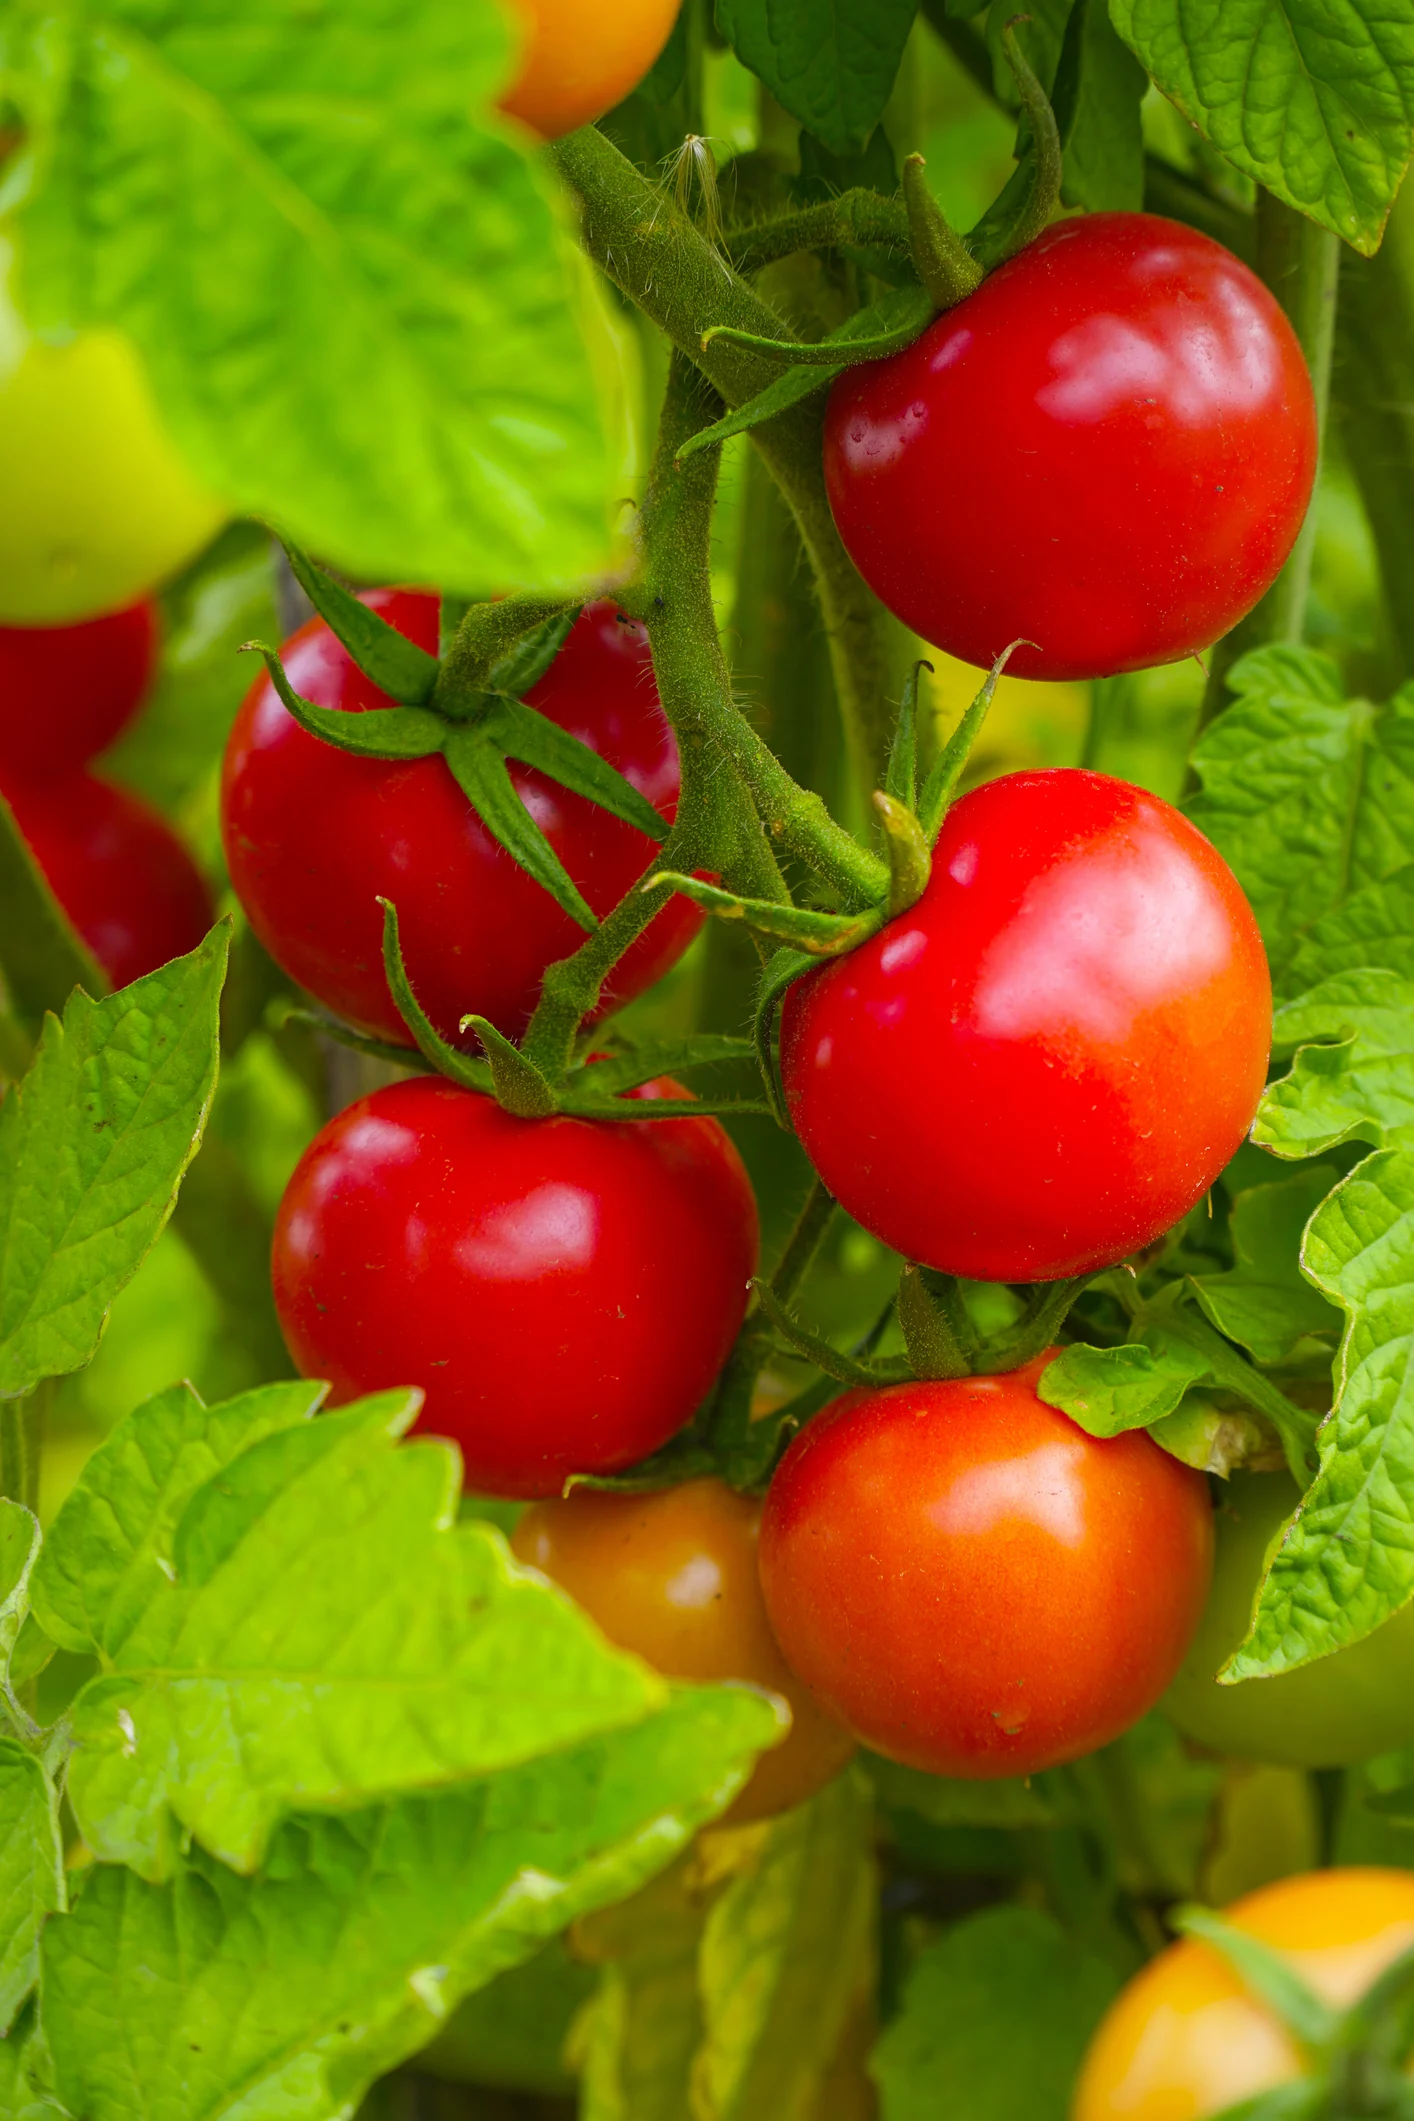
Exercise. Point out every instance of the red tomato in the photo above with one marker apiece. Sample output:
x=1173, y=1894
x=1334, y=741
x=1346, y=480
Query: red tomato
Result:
x=118, y=870
x=67, y=691
x=1048, y=1060
x=315, y=836
x=1106, y=451
x=974, y=1585
x=563, y=1290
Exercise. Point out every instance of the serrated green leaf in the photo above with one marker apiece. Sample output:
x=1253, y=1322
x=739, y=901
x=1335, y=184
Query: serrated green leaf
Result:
x=25, y=2073
x=352, y=290
x=42, y=956
x=1347, y=1562
x=1108, y=1390
x=326, y=1632
x=281, y=1997
x=31, y=1871
x=524, y=734
x=996, y=2015
x=831, y=63
x=110, y=1547
x=480, y=772
x=1264, y=1302
x=787, y=1954
x=93, y=1145
x=1313, y=98
x=1310, y=796
x=396, y=665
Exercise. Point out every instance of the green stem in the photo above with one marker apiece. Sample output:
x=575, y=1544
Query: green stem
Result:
x=22, y=1444
x=661, y=261
x=851, y=217
x=1374, y=392
x=804, y=1242
x=1301, y=264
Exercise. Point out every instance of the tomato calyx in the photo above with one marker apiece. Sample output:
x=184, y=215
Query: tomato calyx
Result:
x=1355, y=2057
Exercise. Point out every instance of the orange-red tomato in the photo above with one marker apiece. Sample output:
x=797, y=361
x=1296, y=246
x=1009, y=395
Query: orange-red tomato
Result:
x=1185, y=2039
x=581, y=58
x=974, y=1585
x=672, y=1576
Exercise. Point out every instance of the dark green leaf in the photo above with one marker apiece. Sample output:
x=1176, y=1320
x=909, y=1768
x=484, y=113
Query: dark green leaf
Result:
x=43, y=959
x=536, y=741
x=1097, y=90
x=381, y=733
x=1265, y=1302
x=480, y=773
x=396, y=665
x=831, y=63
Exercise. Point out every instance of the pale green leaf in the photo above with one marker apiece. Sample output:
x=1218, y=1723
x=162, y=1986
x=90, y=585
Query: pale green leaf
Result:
x=25, y=2075
x=636, y=2042
x=326, y=1632
x=1265, y=1302
x=1108, y=1390
x=831, y=63
x=1309, y=796
x=1347, y=1562
x=281, y=1997
x=19, y=1550
x=31, y=1871
x=93, y=1145
x=787, y=1955
x=351, y=285
x=996, y=2015
x=1313, y=98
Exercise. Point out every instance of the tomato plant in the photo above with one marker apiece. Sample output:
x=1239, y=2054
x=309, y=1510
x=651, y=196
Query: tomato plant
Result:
x=68, y=691
x=673, y=1576
x=477, y=931
x=1046, y=1061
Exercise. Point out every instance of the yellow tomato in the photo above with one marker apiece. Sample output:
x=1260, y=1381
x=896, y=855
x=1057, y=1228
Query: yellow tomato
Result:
x=1185, y=2039
x=98, y=506
x=581, y=58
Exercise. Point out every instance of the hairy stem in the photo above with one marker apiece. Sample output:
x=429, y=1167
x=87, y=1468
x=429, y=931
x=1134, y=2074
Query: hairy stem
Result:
x=22, y=1444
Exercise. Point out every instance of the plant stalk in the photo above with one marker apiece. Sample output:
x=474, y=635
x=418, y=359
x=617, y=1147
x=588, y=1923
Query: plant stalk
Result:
x=1374, y=403
x=22, y=1423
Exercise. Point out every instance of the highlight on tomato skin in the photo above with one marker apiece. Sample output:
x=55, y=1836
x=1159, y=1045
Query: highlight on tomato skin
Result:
x=1105, y=453
x=67, y=692
x=974, y=1585
x=314, y=837
x=564, y=1291
x=1185, y=2037
x=1046, y=1062
x=672, y=1575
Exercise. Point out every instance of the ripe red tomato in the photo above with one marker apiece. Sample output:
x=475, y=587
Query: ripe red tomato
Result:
x=974, y=1585
x=315, y=836
x=67, y=691
x=1045, y=1062
x=1106, y=451
x=581, y=58
x=1187, y=2040
x=563, y=1290
x=118, y=870
x=672, y=1576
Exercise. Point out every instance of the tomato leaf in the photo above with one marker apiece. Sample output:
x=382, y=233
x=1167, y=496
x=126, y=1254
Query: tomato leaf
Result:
x=350, y=287
x=289, y=1992
x=44, y=959
x=995, y=2017
x=1108, y=1390
x=831, y=63
x=1310, y=796
x=1347, y=1562
x=638, y=2039
x=93, y=1146
x=327, y=1632
x=1314, y=100
x=1097, y=90
x=31, y=1871
x=1264, y=1302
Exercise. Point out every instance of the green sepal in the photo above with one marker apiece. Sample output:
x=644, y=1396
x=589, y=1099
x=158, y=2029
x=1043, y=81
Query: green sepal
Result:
x=911, y=309
x=457, y=1067
x=846, y=1369
x=1043, y=178
x=901, y=773
x=396, y=665
x=385, y=733
x=626, y=1071
x=345, y=1035
x=682, y=1457
x=948, y=766
x=487, y=642
x=581, y=1104
x=933, y=1348
x=781, y=971
x=524, y=733
x=941, y=259
x=910, y=863
x=479, y=770
x=518, y=1085
x=528, y=660
x=799, y=927
x=1266, y=1974
x=43, y=955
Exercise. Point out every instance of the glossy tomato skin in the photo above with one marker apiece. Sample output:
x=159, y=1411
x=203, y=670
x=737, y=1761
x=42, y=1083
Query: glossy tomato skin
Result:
x=563, y=1290
x=1046, y=1062
x=1341, y=1709
x=1185, y=2040
x=1107, y=451
x=971, y=1583
x=118, y=870
x=67, y=691
x=314, y=836
x=672, y=1576
x=580, y=58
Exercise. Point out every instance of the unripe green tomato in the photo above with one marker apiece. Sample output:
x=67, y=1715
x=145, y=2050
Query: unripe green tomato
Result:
x=1342, y=1708
x=99, y=508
